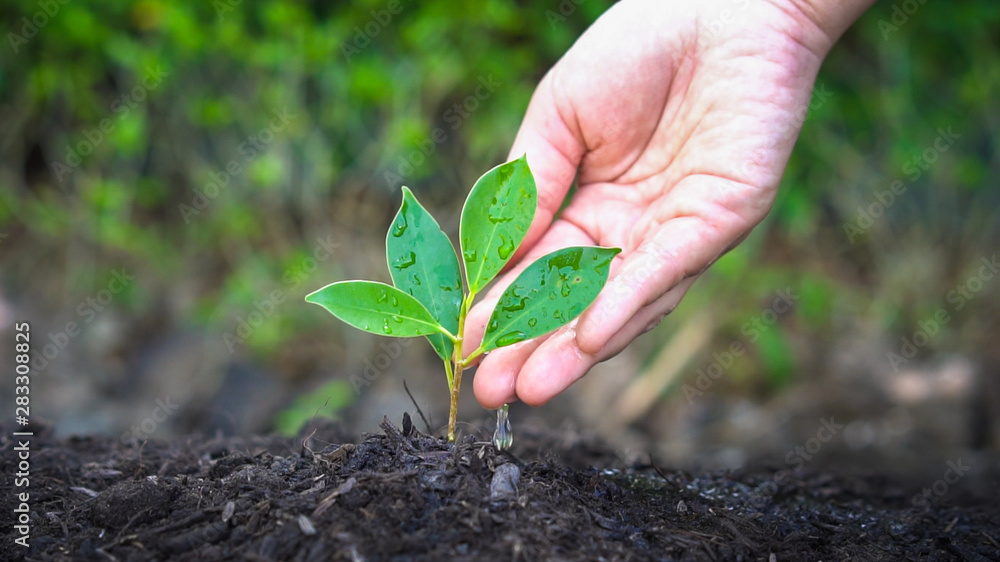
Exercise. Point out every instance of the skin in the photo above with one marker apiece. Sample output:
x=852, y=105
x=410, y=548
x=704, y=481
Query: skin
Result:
x=677, y=121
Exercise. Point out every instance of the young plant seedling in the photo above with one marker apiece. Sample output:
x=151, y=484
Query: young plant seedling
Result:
x=429, y=298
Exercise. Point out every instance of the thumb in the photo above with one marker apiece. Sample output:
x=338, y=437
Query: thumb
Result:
x=554, y=153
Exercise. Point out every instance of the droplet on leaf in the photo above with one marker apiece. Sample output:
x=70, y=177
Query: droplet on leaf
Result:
x=516, y=306
x=506, y=247
x=403, y=262
x=511, y=338
x=400, y=227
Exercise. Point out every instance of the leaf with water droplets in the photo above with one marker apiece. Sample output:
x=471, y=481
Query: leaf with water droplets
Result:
x=495, y=218
x=377, y=308
x=419, y=252
x=548, y=294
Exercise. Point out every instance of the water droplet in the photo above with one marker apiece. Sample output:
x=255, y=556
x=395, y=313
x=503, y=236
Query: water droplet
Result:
x=402, y=262
x=397, y=319
x=511, y=338
x=569, y=259
x=566, y=288
x=492, y=326
x=385, y=327
x=400, y=226
x=503, y=436
x=516, y=306
x=383, y=297
x=395, y=302
x=552, y=296
x=506, y=247
x=469, y=255
x=560, y=316
x=532, y=322
x=416, y=280
x=496, y=218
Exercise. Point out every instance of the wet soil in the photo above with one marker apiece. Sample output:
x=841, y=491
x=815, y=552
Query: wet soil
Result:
x=402, y=495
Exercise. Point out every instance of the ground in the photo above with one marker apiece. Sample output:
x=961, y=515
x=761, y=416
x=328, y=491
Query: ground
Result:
x=402, y=495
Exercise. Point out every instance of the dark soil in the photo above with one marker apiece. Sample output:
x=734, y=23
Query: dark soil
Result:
x=402, y=495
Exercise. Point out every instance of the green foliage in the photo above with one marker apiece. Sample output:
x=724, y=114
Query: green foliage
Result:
x=495, y=219
x=548, y=294
x=325, y=402
x=228, y=67
x=423, y=263
x=377, y=308
x=360, y=119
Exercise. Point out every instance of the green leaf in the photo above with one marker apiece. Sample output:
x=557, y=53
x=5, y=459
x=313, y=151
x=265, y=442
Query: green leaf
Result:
x=423, y=263
x=377, y=308
x=776, y=355
x=548, y=294
x=325, y=402
x=495, y=218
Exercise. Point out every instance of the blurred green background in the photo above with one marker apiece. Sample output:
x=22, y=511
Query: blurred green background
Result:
x=230, y=157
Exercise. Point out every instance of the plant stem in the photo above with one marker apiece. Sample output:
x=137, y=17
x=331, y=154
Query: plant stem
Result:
x=455, y=376
x=453, y=411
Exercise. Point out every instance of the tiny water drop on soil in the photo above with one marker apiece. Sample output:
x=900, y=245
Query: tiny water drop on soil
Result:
x=503, y=436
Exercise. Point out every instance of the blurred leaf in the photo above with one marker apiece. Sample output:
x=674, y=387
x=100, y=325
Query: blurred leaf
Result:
x=325, y=402
x=775, y=355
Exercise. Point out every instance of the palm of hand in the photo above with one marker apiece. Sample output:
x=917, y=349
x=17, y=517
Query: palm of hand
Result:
x=681, y=132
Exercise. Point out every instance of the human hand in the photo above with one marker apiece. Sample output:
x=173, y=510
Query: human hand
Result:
x=680, y=121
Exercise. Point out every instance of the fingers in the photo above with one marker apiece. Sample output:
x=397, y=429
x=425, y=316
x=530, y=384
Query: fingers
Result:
x=554, y=153
x=496, y=378
x=538, y=370
x=667, y=253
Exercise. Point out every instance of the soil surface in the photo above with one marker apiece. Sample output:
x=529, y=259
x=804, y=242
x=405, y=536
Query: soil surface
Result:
x=402, y=495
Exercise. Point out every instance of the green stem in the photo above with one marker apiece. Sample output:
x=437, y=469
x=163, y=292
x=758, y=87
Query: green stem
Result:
x=448, y=372
x=455, y=380
x=448, y=334
x=476, y=353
